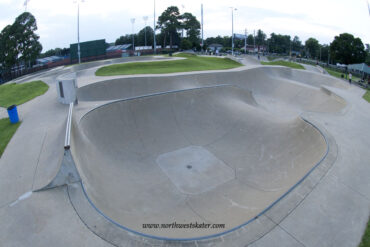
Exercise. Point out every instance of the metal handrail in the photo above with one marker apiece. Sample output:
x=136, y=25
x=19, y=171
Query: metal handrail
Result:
x=67, y=140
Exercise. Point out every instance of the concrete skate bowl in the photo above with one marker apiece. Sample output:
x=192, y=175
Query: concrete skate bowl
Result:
x=278, y=89
x=207, y=155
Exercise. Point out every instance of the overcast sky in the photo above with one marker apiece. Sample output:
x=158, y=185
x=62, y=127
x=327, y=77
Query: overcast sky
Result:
x=109, y=19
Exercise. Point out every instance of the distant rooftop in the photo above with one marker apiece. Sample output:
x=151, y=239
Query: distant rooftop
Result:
x=119, y=47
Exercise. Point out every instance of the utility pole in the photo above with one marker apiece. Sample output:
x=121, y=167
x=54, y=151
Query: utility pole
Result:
x=254, y=41
x=78, y=33
x=245, y=42
x=145, y=19
x=202, y=26
x=25, y=5
x=154, y=41
x=232, y=30
x=78, y=30
x=133, y=35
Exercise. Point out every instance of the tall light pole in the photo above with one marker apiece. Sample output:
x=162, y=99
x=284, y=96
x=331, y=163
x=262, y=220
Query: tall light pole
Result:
x=182, y=30
x=25, y=5
x=78, y=29
x=232, y=30
x=202, y=26
x=145, y=18
x=133, y=36
x=254, y=41
x=154, y=41
x=245, y=42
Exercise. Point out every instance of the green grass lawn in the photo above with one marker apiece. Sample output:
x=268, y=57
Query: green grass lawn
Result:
x=365, y=242
x=284, y=63
x=338, y=74
x=191, y=63
x=367, y=96
x=7, y=130
x=17, y=94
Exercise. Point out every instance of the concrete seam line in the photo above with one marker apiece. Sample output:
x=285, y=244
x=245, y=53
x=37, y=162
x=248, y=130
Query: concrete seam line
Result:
x=38, y=160
x=87, y=226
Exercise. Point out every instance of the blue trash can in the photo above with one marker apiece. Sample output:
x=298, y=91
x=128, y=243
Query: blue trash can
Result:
x=13, y=114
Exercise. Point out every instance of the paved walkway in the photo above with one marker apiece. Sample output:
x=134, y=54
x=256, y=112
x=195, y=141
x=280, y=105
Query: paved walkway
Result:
x=334, y=213
x=3, y=113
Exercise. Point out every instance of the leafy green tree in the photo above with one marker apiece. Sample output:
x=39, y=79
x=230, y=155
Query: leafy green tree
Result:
x=127, y=39
x=169, y=23
x=296, y=44
x=8, y=48
x=186, y=44
x=215, y=40
x=260, y=38
x=28, y=45
x=347, y=49
x=279, y=43
x=141, y=36
x=19, y=42
x=250, y=39
x=325, y=50
x=55, y=52
x=192, y=27
x=312, y=47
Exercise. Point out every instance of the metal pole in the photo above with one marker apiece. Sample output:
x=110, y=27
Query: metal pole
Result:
x=245, y=42
x=254, y=41
x=133, y=36
x=145, y=19
x=202, y=25
x=182, y=29
x=232, y=31
x=154, y=42
x=78, y=33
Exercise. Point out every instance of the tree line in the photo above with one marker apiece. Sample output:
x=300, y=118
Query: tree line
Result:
x=344, y=49
x=19, y=44
x=175, y=28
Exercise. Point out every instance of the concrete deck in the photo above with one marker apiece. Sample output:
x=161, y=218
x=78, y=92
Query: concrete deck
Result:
x=330, y=207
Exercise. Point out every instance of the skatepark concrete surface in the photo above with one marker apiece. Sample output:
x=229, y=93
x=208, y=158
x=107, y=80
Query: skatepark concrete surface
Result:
x=3, y=113
x=277, y=155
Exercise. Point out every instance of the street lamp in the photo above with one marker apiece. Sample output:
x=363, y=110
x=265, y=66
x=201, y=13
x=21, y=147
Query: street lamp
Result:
x=145, y=18
x=202, y=26
x=78, y=29
x=232, y=30
x=133, y=36
x=254, y=41
x=245, y=42
x=154, y=42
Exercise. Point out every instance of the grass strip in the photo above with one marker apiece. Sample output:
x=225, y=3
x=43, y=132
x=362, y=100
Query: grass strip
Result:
x=17, y=94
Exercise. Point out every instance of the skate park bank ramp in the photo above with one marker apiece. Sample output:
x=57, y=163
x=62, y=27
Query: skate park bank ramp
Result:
x=278, y=89
x=188, y=149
